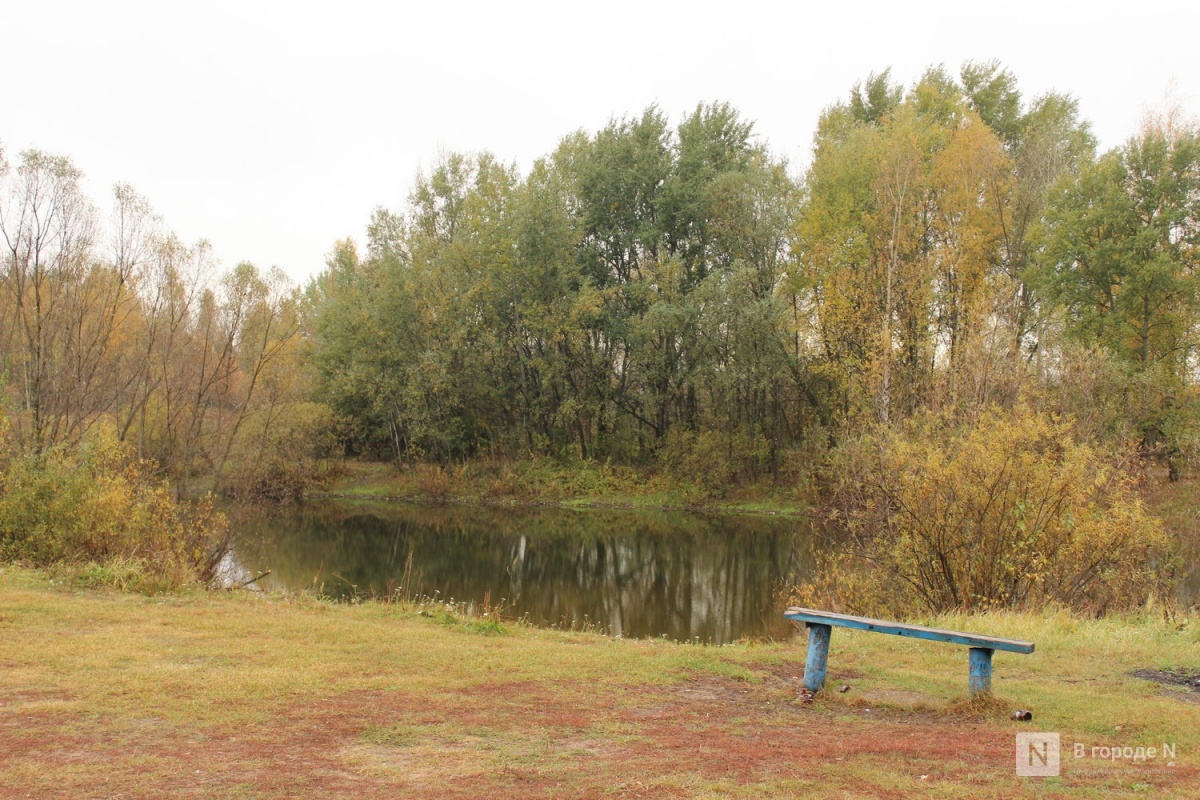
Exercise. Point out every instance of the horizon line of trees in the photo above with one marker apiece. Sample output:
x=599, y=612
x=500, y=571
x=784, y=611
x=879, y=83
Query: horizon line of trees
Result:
x=647, y=294
x=673, y=295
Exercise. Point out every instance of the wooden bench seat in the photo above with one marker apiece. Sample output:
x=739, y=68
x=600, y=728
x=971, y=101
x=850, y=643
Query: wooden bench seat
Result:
x=821, y=623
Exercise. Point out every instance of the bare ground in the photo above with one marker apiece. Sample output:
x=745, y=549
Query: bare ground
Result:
x=703, y=737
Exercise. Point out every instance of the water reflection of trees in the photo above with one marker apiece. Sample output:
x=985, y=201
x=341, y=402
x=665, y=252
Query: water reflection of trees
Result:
x=638, y=574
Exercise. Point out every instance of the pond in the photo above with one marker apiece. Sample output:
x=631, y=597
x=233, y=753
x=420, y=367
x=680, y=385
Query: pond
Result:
x=684, y=576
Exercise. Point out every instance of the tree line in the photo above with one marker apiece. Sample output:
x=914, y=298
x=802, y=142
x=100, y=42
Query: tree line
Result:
x=651, y=293
x=111, y=320
x=674, y=295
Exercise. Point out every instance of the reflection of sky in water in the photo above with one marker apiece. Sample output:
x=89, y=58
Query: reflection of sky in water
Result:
x=637, y=574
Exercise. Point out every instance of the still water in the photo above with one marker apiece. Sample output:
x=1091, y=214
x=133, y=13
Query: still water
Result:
x=629, y=573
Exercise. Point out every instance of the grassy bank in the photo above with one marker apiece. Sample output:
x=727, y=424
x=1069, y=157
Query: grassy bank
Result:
x=590, y=483
x=237, y=695
x=533, y=482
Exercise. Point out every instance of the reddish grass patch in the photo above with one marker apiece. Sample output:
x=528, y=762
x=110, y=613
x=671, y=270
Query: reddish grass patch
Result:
x=520, y=740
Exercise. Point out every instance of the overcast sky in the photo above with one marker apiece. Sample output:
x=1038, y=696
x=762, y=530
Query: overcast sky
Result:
x=273, y=129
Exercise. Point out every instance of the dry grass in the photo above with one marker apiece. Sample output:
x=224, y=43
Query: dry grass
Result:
x=104, y=694
x=1175, y=504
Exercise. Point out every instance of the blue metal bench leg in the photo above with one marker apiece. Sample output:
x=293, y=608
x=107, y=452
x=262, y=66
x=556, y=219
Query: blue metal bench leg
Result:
x=980, y=660
x=818, y=655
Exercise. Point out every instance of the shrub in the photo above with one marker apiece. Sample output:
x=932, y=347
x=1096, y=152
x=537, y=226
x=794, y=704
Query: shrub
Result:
x=278, y=458
x=433, y=483
x=714, y=461
x=96, y=502
x=1010, y=511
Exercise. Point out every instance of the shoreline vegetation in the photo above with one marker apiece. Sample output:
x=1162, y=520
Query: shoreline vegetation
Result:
x=545, y=483
x=507, y=484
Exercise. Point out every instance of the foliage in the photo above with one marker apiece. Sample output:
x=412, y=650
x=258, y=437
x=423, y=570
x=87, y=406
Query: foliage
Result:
x=714, y=461
x=651, y=294
x=1121, y=257
x=623, y=289
x=97, y=502
x=125, y=323
x=916, y=234
x=280, y=455
x=1008, y=510
x=659, y=295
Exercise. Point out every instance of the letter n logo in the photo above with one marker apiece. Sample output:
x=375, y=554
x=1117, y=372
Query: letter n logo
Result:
x=1037, y=755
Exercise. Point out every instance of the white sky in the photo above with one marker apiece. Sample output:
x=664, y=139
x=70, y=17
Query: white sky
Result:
x=273, y=129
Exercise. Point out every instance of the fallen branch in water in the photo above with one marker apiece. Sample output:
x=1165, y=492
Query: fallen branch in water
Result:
x=252, y=580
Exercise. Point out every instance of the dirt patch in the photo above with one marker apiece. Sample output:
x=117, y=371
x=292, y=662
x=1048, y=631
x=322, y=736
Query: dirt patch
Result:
x=1186, y=679
x=1171, y=678
x=794, y=673
x=889, y=697
x=705, y=736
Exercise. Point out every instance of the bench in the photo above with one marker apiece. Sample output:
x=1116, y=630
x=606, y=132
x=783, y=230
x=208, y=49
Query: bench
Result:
x=820, y=625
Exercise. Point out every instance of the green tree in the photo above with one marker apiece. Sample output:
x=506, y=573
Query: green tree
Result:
x=1121, y=260
x=1044, y=141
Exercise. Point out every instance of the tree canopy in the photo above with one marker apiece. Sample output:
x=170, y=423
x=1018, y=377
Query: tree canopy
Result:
x=648, y=293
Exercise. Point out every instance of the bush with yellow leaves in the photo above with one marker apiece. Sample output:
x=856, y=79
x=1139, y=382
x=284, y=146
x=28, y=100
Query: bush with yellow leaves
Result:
x=1007, y=511
x=97, y=503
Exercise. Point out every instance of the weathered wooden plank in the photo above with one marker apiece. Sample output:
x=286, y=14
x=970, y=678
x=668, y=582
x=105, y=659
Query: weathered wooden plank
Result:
x=902, y=629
